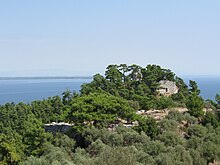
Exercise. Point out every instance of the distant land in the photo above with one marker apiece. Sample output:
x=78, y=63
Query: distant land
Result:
x=198, y=76
x=90, y=77
x=46, y=77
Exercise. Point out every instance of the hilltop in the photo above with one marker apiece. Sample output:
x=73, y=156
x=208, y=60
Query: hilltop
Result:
x=182, y=134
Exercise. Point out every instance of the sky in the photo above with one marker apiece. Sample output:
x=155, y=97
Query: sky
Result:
x=82, y=37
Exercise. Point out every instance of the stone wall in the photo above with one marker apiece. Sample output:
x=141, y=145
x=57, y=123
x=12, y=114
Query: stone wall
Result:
x=57, y=127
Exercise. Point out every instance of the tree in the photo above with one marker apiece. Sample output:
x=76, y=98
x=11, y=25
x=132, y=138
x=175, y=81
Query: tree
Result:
x=135, y=73
x=147, y=125
x=183, y=92
x=124, y=69
x=175, y=155
x=195, y=103
x=52, y=155
x=68, y=96
x=118, y=156
x=217, y=99
x=99, y=108
x=198, y=158
x=197, y=130
x=34, y=136
x=11, y=148
x=113, y=74
x=194, y=87
x=164, y=102
x=210, y=151
x=168, y=125
x=170, y=139
x=211, y=118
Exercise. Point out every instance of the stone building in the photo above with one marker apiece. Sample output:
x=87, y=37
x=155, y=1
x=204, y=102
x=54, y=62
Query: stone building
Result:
x=167, y=88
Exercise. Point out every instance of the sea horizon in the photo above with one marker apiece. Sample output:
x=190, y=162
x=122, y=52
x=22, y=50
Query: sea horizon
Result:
x=90, y=76
x=27, y=89
x=43, y=77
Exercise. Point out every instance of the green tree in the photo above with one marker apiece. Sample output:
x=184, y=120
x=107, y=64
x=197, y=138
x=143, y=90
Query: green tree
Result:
x=175, y=155
x=195, y=103
x=164, y=102
x=198, y=158
x=118, y=156
x=99, y=108
x=135, y=73
x=194, y=87
x=147, y=125
x=52, y=155
x=170, y=138
x=67, y=96
x=114, y=75
x=124, y=69
x=197, y=130
x=183, y=92
x=211, y=118
x=217, y=99
x=11, y=149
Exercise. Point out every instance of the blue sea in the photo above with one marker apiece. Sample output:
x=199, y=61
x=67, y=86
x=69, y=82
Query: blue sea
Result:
x=27, y=90
x=209, y=86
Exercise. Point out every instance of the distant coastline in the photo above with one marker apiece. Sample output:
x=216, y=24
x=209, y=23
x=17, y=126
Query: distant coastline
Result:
x=46, y=77
x=186, y=77
x=198, y=76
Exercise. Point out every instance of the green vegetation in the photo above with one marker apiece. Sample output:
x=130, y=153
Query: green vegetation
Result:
x=103, y=117
x=137, y=84
x=195, y=103
x=99, y=108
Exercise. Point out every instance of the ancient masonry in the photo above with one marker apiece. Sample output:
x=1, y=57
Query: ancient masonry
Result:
x=167, y=88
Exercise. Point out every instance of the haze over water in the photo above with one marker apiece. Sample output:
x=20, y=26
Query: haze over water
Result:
x=36, y=89
x=27, y=90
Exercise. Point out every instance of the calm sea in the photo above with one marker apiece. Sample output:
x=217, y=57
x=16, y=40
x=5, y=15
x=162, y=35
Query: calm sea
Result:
x=38, y=89
x=209, y=86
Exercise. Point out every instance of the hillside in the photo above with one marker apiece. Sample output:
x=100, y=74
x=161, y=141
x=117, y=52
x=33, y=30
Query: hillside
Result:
x=163, y=127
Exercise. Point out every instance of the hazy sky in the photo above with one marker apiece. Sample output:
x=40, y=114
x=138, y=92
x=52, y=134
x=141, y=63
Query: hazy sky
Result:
x=81, y=37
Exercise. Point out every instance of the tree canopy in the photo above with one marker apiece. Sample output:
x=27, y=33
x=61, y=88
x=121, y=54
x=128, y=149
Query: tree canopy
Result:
x=180, y=138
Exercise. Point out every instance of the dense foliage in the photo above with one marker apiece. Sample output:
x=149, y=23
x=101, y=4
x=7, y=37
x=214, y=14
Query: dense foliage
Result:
x=179, y=138
x=138, y=84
